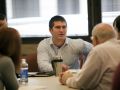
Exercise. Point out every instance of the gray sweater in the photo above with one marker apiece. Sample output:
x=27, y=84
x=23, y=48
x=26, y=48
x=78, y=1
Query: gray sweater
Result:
x=8, y=78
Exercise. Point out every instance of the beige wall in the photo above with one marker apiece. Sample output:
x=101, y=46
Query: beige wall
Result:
x=29, y=48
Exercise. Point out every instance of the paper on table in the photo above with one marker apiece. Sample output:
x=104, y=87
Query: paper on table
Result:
x=33, y=88
x=74, y=71
x=40, y=74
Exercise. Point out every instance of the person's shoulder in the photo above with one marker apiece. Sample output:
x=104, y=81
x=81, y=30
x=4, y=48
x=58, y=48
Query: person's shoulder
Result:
x=44, y=43
x=101, y=47
x=76, y=43
x=5, y=60
x=45, y=40
x=78, y=40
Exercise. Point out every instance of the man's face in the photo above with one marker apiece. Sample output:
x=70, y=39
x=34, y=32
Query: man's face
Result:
x=59, y=30
x=3, y=23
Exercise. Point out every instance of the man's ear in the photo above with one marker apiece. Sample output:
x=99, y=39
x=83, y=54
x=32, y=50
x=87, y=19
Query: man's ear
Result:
x=97, y=40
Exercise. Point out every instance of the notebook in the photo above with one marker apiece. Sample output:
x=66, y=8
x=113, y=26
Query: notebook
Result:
x=40, y=74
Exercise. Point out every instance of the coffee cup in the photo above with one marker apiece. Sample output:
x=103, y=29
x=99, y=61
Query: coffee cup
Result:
x=57, y=65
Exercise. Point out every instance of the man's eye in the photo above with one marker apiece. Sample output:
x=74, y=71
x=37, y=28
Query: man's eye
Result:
x=63, y=27
x=59, y=27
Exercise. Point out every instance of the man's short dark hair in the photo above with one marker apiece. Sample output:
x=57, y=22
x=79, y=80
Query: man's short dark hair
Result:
x=2, y=16
x=116, y=23
x=56, y=18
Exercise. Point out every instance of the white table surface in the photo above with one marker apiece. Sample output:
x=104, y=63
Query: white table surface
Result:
x=44, y=83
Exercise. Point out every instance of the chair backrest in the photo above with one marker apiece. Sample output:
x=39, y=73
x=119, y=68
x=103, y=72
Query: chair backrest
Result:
x=32, y=62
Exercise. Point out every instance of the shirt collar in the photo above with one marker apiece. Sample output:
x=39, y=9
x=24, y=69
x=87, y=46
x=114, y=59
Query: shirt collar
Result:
x=66, y=41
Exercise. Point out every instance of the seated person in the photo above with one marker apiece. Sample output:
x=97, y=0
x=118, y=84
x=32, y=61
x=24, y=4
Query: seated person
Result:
x=3, y=21
x=116, y=79
x=10, y=47
x=116, y=25
x=98, y=69
x=61, y=46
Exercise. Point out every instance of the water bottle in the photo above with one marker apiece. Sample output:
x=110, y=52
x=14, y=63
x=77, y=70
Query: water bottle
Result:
x=24, y=72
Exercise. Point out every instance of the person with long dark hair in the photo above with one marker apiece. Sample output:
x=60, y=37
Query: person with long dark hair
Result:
x=10, y=49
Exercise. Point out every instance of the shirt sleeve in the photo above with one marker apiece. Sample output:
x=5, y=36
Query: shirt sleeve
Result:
x=9, y=76
x=87, y=48
x=89, y=75
x=43, y=58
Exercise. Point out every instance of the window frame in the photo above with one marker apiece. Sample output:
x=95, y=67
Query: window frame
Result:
x=94, y=10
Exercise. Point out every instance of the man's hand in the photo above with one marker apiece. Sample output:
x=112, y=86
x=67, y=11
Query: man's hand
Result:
x=64, y=76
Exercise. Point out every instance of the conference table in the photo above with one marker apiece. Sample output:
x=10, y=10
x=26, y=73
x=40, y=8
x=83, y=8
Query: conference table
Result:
x=44, y=83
